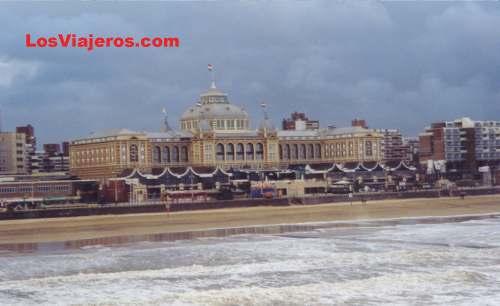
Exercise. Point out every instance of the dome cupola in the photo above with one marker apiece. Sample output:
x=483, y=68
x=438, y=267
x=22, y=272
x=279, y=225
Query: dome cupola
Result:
x=215, y=108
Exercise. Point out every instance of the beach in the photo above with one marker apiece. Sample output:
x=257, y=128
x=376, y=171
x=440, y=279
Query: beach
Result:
x=91, y=227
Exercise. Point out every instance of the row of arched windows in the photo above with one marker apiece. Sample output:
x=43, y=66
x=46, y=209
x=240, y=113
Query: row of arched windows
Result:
x=300, y=151
x=168, y=154
x=239, y=151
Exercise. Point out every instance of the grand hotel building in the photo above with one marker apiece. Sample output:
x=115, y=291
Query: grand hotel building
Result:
x=215, y=133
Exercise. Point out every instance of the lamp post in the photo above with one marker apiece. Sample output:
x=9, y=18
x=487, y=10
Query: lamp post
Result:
x=191, y=176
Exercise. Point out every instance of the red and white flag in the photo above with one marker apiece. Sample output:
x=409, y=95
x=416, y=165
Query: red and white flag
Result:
x=210, y=67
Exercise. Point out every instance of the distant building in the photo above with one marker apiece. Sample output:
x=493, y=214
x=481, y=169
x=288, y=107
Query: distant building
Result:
x=30, y=143
x=65, y=148
x=392, y=145
x=13, y=154
x=359, y=123
x=411, y=147
x=51, y=159
x=299, y=121
x=29, y=131
x=43, y=162
x=52, y=149
x=462, y=144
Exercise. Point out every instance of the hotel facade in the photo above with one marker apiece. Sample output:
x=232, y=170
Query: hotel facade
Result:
x=216, y=133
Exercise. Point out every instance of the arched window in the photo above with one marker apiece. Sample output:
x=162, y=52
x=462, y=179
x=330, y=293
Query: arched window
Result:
x=310, y=151
x=156, y=154
x=317, y=151
x=230, y=151
x=250, y=151
x=240, y=152
x=175, y=154
x=166, y=154
x=281, y=152
x=295, y=151
x=368, y=148
x=302, y=151
x=184, y=154
x=286, y=152
x=134, y=157
x=259, y=151
x=219, y=151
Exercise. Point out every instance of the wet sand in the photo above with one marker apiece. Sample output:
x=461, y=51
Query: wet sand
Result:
x=91, y=227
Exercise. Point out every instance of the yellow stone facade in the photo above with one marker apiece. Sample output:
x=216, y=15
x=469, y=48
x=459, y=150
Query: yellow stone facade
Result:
x=215, y=133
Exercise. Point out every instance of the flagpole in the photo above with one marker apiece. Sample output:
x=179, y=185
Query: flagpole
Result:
x=212, y=75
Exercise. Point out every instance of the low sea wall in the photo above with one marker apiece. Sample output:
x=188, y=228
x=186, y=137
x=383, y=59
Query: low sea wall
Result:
x=309, y=200
x=112, y=209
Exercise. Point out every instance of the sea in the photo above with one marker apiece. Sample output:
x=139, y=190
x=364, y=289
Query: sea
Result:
x=409, y=261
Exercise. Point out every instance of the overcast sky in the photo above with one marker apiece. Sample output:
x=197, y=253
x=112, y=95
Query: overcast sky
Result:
x=398, y=65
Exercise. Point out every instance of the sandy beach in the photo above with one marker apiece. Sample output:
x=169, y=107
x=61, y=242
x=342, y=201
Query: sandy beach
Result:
x=75, y=228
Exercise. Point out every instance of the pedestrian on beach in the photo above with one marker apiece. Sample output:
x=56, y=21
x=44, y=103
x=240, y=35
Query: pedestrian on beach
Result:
x=167, y=208
x=363, y=201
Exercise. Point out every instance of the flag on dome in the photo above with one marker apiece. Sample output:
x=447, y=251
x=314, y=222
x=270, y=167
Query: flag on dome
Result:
x=210, y=67
x=263, y=104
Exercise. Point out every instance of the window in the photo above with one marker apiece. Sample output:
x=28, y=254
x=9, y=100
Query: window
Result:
x=317, y=151
x=302, y=151
x=286, y=152
x=295, y=151
x=175, y=154
x=240, y=152
x=166, y=154
x=250, y=151
x=230, y=124
x=184, y=154
x=25, y=189
x=369, y=150
x=310, y=151
x=259, y=151
x=208, y=152
x=156, y=154
x=271, y=154
x=219, y=151
x=220, y=124
x=230, y=151
x=133, y=156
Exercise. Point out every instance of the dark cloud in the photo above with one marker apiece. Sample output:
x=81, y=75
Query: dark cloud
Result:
x=399, y=65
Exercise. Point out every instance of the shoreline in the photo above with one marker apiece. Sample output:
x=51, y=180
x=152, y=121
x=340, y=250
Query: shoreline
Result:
x=185, y=223
x=286, y=230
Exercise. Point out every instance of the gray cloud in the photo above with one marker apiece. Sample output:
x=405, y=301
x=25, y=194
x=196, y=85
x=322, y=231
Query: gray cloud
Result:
x=397, y=65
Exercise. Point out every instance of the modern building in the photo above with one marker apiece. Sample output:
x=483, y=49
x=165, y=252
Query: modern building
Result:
x=463, y=145
x=13, y=153
x=216, y=133
x=392, y=145
x=359, y=123
x=411, y=146
x=43, y=162
x=30, y=144
x=299, y=121
x=52, y=149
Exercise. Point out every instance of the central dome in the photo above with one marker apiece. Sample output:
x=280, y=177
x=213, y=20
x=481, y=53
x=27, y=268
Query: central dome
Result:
x=214, y=108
